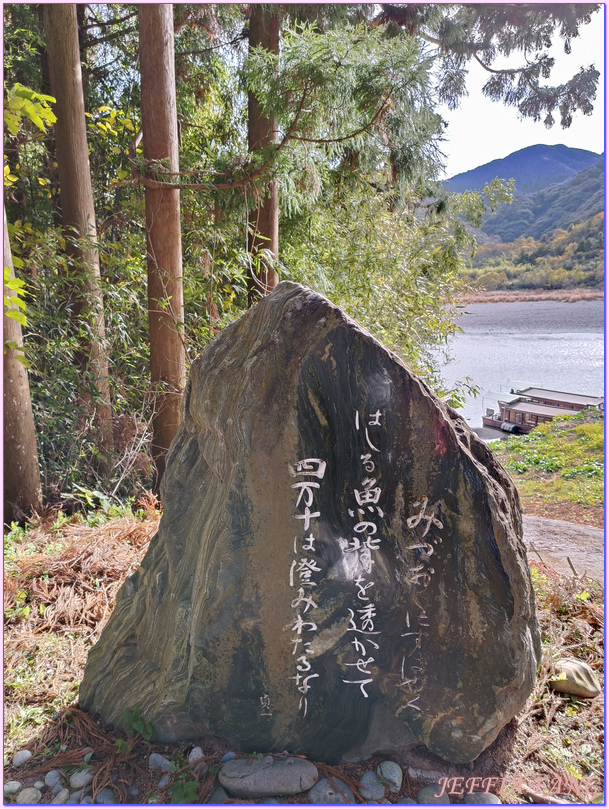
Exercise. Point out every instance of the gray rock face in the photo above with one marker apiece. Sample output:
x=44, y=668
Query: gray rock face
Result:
x=52, y=778
x=12, y=787
x=219, y=795
x=370, y=787
x=29, y=795
x=251, y=778
x=160, y=762
x=481, y=797
x=195, y=755
x=326, y=792
x=433, y=795
x=576, y=678
x=20, y=757
x=80, y=779
x=391, y=773
x=339, y=569
x=105, y=796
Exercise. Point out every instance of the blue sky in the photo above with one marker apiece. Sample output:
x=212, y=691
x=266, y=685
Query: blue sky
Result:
x=482, y=130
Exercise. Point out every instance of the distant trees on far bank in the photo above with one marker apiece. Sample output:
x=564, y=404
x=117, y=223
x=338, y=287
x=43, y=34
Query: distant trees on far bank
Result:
x=565, y=260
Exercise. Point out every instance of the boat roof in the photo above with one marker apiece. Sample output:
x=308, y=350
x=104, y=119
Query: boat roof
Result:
x=569, y=398
x=540, y=409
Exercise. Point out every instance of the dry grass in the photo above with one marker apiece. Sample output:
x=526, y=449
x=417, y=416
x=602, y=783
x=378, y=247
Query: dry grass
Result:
x=70, y=577
x=59, y=590
x=519, y=295
x=559, y=745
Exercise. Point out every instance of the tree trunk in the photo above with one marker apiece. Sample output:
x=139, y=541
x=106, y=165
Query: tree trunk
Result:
x=22, y=490
x=262, y=131
x=163, y=236
x=77, y=209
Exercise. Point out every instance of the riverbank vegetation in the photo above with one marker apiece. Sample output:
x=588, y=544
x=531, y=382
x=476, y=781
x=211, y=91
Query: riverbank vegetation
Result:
x=571, y=260
x=558, y=468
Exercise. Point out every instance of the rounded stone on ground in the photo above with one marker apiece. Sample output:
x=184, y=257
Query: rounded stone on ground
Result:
x=391, y=772
x=57, y=788
x=133, y=790
x=20, y=757
x=163, y=782
x=62, y=796
x=105, y=795
x=12, y=787
x=370, y=787
x=75, y=797
x=481, y=797
x=52, y=778
x=250, y=778
x=196, y=754
x=38, y=784
x=86, y=800
x=219, y=795
x=159, y=761
x=324, y=792
x=80, y=779
x=406, y=800
x=269, y=800
x=576, y=678
x=228, y=756
x=431, y=795
x=29, y=795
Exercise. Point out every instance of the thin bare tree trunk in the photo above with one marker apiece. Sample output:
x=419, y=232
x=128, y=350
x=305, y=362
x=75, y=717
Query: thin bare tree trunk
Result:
x=22, y=490
x=77, y=208
x=262, y=131
x=163, y=234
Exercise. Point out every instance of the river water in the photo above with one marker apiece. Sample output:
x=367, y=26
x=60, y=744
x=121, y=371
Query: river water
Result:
x=547, y=344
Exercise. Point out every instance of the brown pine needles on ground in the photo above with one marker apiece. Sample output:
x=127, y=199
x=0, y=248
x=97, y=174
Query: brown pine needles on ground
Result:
x=60, y=586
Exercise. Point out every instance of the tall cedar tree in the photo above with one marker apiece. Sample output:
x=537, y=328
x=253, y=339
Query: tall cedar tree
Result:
x=78, y=212
x=22, y=490
x=163, y=235
x=261, y=132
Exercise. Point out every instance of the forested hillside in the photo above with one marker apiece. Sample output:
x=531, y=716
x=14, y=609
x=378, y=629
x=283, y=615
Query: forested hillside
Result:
x=532, y=169
x=567, y=259
x=557, y=206
x=166, y=165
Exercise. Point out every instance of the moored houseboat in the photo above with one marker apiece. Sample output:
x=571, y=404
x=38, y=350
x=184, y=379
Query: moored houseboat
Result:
x=524, y=409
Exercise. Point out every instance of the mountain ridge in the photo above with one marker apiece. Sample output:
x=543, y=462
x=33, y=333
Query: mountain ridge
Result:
x=533, y=168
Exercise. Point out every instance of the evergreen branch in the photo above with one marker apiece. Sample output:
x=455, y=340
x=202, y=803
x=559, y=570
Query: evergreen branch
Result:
x=234, y=41
x=102, y=24
x=359, y=131
x=148, y=182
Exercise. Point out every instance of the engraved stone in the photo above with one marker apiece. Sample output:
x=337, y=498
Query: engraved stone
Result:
x=339, y=569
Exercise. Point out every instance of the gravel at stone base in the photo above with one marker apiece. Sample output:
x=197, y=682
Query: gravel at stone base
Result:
x=363, y=775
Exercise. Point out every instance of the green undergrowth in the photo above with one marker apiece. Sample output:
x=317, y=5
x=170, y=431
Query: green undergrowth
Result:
x=559, y=461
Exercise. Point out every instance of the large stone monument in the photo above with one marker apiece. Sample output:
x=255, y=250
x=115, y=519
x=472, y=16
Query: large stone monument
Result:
x=339, y=568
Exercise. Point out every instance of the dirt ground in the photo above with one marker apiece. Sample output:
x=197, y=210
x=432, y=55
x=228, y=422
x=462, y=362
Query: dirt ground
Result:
x=556, y=542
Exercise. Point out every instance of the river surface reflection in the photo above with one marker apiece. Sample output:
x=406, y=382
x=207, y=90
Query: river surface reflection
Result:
x=547, y=344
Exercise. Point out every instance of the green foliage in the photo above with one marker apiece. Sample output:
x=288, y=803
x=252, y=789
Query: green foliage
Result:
x=21, y=103
x=559, y=461
x=185, y=792
x=135, y=724
x=15, y=301
x=122, y=746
